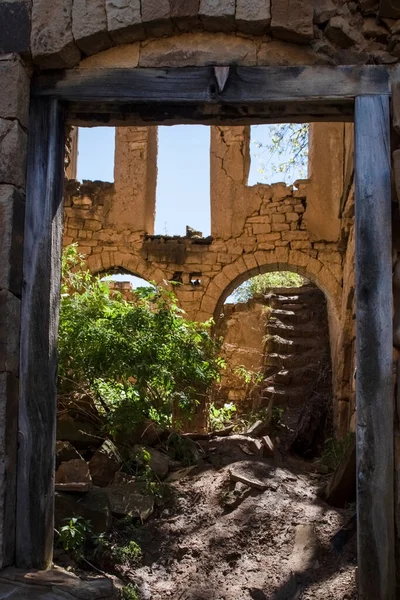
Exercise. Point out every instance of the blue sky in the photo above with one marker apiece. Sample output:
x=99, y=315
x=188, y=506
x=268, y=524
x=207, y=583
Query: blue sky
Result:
x=183, y=183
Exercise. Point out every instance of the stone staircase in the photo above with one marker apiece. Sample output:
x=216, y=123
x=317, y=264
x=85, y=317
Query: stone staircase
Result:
x=296, y=348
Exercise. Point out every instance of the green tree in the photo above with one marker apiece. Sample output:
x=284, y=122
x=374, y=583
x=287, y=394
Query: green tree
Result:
x=261, y=284
x=286, y=152
x=136, y=359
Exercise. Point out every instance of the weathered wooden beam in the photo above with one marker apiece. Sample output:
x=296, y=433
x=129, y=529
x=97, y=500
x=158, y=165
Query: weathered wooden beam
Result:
x=244, y=85
x=395, y=85
x=39, y=325
x=117, y=115
x=374, y=390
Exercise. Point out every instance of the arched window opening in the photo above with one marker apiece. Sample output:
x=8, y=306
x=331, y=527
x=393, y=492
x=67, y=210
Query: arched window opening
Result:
x=120, y=280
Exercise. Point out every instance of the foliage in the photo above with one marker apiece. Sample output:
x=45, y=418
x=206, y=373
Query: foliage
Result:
x=130, y=592
x=248, y=376
x=221, y=417
x=145, y=473
x=334, y=450
x=74, y=536
x=287, y=151
x=126, y=554
x=136, y=359
x=261, y=284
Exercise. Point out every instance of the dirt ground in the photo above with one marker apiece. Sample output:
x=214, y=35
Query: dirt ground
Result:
x=276, y=544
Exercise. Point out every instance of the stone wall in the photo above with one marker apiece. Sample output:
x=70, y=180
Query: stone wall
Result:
x=13, y=139
x=243, y=328
x=334, y=31
x=254, y=229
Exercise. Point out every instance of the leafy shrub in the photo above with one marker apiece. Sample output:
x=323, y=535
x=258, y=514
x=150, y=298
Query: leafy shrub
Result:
x=130, y=592
x=262, y=283
x=74, y=536
x=136, y=359
x=221, y=417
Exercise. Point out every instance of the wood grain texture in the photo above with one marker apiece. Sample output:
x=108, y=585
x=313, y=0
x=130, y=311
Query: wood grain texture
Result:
x=375, y=406
x=39, y=325
x=395, y=83
x=198, y=84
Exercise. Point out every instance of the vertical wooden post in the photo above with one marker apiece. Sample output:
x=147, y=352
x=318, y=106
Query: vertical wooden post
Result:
x=374, y=390
x=39, y=324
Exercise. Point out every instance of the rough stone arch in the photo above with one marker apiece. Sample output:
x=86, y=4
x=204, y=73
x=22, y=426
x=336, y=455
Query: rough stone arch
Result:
x=127, y=262
x=239, y=271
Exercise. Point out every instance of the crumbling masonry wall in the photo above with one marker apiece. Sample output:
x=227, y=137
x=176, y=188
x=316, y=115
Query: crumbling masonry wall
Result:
x=173, y=33
x=254, y=229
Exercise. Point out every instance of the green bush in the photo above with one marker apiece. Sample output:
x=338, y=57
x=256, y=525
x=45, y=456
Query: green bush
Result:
x=136, y=359
x=74, y=536
x=261, y=284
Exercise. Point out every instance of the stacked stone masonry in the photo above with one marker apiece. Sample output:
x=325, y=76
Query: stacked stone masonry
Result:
x=161, y=33
x=331, y=31
x=254, y=229
x=13, y=139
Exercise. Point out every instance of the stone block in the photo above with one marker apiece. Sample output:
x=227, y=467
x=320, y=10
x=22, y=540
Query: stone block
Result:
x=124, y=21
x=9, y=391
x=253, y=17
x=217, y=15
x=12, y=209
x=199, y=49
x=13, y=76
x=156, y=17
x=339, y=32
x=185, y=14
x=104, y=464
x=15, y=27
x=292, y=20
x=323, y=11
x=13, y=153
x=89, y=26
x=53, y=46
x=10, y=307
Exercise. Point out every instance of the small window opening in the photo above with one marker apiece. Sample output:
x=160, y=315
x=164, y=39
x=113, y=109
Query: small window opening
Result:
x=278, y=153
x=96, y=151
x=177, y=277
x=195, y=279
x=183, y=182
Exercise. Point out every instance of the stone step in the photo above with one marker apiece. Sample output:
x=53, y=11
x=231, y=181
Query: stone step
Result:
x=292, y=316
x=290, y=331
x=280, y=345
x=293, y=376
x=294, y=306
x=284, y=395
x=290, y=360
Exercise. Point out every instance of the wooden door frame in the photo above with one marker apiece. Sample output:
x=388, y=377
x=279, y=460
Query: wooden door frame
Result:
x=212, y=95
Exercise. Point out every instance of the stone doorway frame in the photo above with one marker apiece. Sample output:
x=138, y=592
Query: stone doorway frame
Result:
x=211, y=95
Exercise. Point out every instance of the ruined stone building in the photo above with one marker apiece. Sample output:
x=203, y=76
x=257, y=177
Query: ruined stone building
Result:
x=306, y=228
x=228, y=64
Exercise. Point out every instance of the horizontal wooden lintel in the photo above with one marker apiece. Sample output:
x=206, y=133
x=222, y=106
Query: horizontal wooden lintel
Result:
x=199, y=85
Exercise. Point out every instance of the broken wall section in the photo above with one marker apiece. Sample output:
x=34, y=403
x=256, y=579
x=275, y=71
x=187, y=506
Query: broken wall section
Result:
x=255, y=229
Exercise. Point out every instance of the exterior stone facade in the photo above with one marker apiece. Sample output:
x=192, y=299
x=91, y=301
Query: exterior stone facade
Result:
x=149, y=33
x=254, y=229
